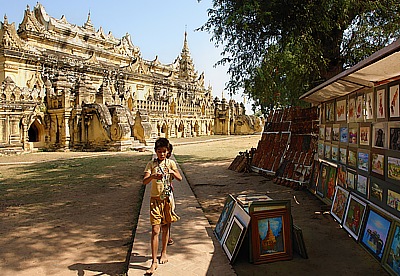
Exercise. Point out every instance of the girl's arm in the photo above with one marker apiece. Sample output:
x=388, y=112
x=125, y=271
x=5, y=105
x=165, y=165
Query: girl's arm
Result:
x=176, y=174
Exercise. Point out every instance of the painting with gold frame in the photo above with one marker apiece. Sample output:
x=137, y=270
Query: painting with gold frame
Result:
x=271, y=236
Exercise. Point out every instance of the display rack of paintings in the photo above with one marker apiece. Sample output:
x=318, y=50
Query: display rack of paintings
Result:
x=354, y=216
x=375, y=231
x=339, y=203
x=391, y=258
x=271, y=231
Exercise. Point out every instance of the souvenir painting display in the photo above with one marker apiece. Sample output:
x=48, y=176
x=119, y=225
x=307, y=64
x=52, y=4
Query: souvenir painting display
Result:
x=354, y=216
x=365, y=135
x=378, y=163
x=391, y=261
x=341, y=176
x=393, y=168
x=394, y=101
x=393, y=200
x=362, y=184
x=339, y=203
x=375, y=232
x=351, y=180
x=335, y=133
x=380, y=104
x=344, y=134
x=343, y=155
x=271, y=236
x=363, y=161
x=224, y=217
x=369, y=105
x=233, y=239
x=379, y=134
x=341, y=110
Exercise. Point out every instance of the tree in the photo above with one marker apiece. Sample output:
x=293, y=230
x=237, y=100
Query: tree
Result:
x=278, y=49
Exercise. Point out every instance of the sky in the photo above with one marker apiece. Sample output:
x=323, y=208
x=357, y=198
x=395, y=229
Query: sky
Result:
x=157, y=27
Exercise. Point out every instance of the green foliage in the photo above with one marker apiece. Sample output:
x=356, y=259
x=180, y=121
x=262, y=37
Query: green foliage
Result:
x=278, y=50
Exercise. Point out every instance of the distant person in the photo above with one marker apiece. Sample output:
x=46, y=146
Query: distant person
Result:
x=160, y=172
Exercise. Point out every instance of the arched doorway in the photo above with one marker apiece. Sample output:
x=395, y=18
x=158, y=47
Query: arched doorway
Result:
x=36, y=134
x=33, y=133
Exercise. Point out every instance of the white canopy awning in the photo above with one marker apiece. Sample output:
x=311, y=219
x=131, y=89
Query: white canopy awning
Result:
x=381, y=66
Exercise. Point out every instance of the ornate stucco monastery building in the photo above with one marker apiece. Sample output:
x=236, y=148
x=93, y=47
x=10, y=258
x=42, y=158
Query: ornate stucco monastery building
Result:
x=69, y=87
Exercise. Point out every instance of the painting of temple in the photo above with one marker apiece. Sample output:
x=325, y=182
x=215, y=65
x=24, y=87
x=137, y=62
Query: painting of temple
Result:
x=70, y=87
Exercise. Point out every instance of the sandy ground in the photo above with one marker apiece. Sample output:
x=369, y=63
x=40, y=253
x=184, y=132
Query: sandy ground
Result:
x=84, y=231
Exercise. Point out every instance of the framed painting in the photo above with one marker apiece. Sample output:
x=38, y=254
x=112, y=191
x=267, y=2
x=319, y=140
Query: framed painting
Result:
x=391, y=259
x=352, y=158
x=234, y=238
x=379, y=135
x=362, y=185
x=378, y=163
x=360, y=108
x=334, y=153
x=393, y=200
x=298, y=242
x=344, y=134
x=321, y=149
x=330, y=187
x=335, y=133
x=327, y=154
x=369, y=105
x=339, y=203
x=314, y=179
x=245, y=200
x=394, y=136
x=323, y=179
x=322, y=132
x=394, y=111
x=353, y=134
x=365, y=135
x=341, y=176
x=375, y=232
x=226, y=213
x=363, y=160
x=352, y=109
x=393, y=168
x=330, y=112
x=354, y=216
x=269, y=206
x=271, y=236
x=328, y=133
x=376, y=191
x=343, y=155
x=380, y=104
x=341, y=110
x=351, y=180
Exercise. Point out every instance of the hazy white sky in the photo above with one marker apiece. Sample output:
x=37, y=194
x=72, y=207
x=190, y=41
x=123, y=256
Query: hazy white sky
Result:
x=156, y=26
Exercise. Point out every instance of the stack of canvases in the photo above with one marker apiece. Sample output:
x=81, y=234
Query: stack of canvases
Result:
x=241, y=163
x=270, y=149
x=358, y=170
x=296, y=166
